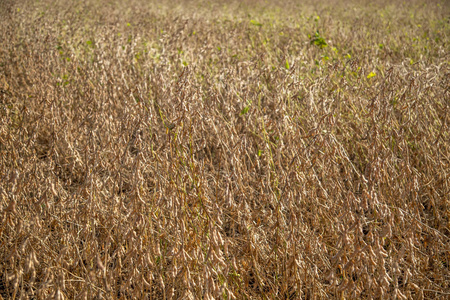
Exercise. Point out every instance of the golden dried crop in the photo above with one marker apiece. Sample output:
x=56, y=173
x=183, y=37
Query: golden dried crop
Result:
x=224, y=150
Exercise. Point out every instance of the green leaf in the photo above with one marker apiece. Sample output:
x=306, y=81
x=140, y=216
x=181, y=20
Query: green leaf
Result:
x=319, y=40
x=372, y=74
x=259, y=152
x=287, y=64
x=244, y=110
x=256, y=23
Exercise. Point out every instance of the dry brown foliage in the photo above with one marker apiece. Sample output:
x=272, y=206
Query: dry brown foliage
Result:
x=206, y=150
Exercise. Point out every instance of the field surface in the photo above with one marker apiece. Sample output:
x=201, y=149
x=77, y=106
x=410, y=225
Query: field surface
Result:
x=224, y=150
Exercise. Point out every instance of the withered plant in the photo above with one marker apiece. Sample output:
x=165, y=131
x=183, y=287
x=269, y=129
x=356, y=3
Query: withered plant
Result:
x=224, y=150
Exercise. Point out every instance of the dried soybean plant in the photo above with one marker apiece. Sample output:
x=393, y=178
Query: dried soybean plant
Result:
x=201, y=150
